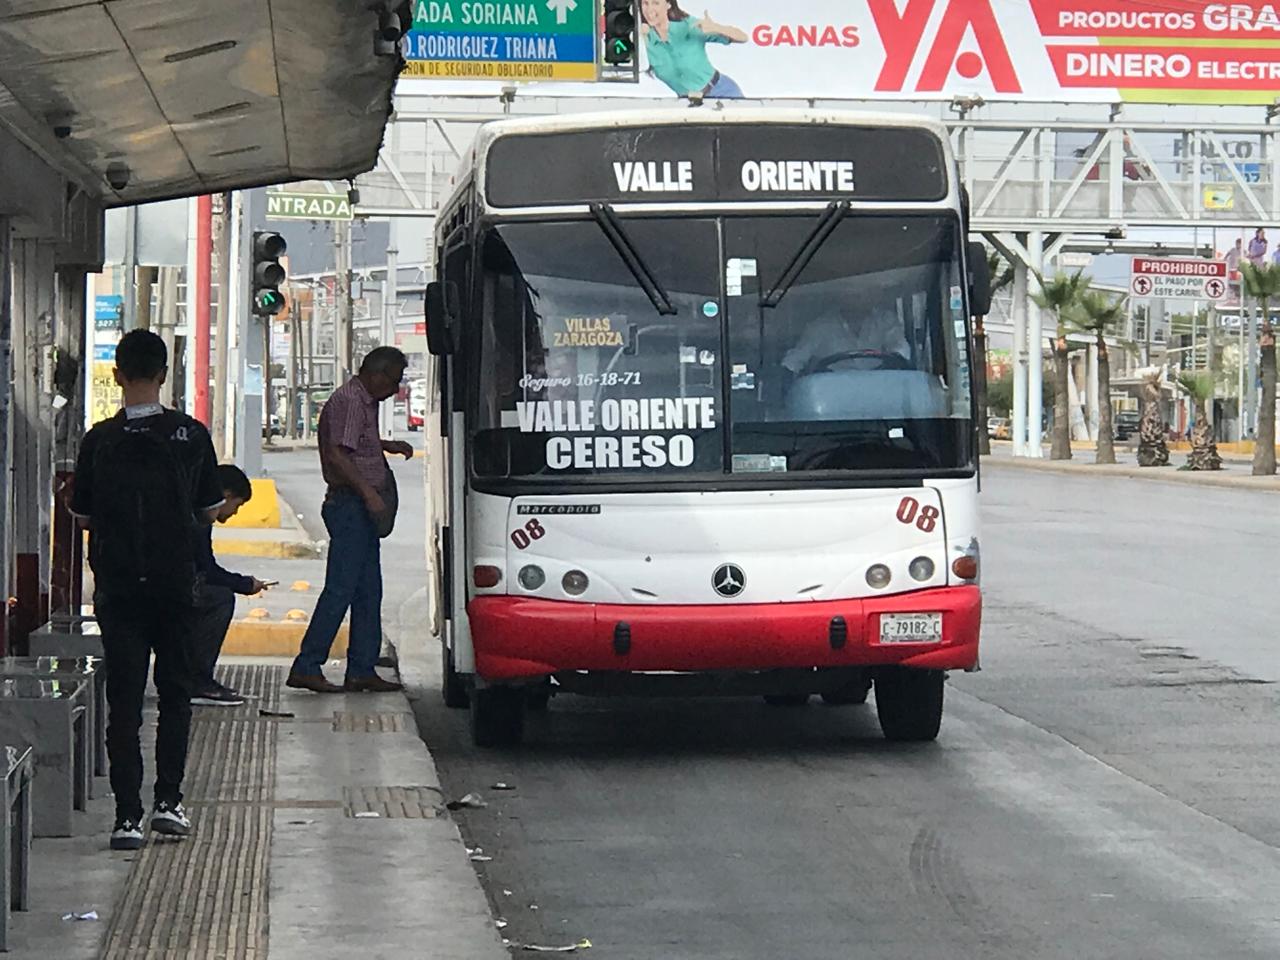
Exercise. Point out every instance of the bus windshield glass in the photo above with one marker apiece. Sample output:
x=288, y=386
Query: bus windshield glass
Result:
x=861, y=366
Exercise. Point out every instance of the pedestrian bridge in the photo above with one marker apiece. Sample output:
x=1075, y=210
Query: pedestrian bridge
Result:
x=1064, y=177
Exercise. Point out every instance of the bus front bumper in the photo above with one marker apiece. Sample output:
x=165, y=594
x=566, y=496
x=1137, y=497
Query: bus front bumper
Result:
x=523, y=637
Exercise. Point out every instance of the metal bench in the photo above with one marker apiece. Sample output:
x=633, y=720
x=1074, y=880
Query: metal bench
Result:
x=66, y=637
x=52, y=717
x=18, y=766
x=90, y=669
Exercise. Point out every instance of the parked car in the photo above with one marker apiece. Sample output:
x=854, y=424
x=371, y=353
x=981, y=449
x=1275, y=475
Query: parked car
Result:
x=998, y=428
x=1127, y=423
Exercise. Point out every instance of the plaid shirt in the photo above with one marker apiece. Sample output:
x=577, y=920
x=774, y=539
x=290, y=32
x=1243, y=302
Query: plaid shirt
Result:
x=350, y=420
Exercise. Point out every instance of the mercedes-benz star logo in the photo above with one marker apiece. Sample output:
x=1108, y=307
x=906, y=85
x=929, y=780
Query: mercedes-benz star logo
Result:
x=728, y=580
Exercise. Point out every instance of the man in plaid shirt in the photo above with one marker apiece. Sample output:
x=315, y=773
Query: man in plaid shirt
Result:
x=353, y=461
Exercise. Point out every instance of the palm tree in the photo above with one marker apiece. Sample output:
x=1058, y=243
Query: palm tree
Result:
x=1059, y=296
x=1204, y=451
x=1263, y=284
x=1099, y=315
x=1000, y=278
x=1153, y=447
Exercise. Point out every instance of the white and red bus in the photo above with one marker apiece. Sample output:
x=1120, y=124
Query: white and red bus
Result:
x=700, y=414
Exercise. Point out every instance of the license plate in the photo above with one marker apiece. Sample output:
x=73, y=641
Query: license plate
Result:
x=910, y=627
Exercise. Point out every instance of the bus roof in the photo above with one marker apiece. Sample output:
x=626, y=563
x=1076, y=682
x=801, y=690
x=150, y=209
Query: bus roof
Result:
x=670, y=122
x=683, y=116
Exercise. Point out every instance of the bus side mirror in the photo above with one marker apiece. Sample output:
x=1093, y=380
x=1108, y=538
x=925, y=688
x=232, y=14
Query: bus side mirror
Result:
x=442, y=311
x=979, y=280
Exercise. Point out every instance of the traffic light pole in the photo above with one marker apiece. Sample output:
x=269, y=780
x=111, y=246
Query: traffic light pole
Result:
x=252, y=372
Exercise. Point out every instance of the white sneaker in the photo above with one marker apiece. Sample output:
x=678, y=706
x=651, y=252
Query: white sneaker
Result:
x=126, y=836
x=170, y=820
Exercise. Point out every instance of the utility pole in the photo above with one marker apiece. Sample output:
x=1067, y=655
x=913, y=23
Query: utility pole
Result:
x=342, y=332
x=390, y=311
x=251, y=370
x=167, y=328
x=291, y=370
x=129, y=298
x=146, y=278
x=1249, y=395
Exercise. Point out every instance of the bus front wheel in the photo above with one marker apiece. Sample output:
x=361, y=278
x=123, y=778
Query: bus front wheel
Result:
x=451, y=685
x=497, y=716
x=909, y=703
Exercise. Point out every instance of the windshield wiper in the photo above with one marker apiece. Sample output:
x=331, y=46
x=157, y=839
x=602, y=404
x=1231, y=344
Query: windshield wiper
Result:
x=612, y=227
x=832, y=216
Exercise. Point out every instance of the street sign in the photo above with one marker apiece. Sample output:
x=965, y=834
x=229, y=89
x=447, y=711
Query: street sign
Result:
x=108, y=311
x=502, y=40
x=1178, y=278
x=308, y=206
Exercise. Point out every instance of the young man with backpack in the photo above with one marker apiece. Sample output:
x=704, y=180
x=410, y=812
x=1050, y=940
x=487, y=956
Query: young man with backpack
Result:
x=146, y=483
x=216, y=604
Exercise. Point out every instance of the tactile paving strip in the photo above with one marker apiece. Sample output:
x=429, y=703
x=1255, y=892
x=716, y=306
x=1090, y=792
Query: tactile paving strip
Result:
x=205, y=898
x=347, y=722
x=393, y=803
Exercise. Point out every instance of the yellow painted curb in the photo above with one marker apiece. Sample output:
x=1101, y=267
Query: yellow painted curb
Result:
x=263, y=511
x=274, y=549
x=250, y=638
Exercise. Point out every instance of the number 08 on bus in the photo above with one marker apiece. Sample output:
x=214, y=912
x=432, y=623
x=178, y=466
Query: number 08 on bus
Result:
x=700, y=414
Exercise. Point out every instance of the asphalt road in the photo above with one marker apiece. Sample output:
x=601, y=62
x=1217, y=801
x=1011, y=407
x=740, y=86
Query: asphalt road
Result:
x=1105, y=788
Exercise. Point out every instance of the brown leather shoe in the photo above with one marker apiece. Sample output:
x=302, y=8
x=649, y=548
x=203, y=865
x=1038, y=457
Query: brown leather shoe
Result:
x=374, y=684
x=316, y=684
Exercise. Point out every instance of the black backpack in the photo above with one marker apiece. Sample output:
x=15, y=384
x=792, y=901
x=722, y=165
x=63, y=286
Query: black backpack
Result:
x=143, y=526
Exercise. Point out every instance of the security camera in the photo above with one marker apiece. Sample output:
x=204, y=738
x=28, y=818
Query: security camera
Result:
x=353, y=196
x=389, y=26
x=386, y=38
x=118, y=175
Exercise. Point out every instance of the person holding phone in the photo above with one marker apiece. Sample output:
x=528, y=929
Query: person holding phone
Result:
x=216, y=604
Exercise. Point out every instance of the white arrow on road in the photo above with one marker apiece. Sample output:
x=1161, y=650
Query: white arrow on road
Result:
x=562, y=8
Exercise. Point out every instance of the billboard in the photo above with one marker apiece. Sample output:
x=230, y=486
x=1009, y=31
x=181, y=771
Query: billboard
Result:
x=1103, y=51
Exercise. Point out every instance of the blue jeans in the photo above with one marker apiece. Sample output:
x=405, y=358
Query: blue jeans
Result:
x=352, y=581
x=725, y=89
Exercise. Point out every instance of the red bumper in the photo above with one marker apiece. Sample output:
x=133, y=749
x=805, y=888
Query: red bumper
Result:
x=518, y=637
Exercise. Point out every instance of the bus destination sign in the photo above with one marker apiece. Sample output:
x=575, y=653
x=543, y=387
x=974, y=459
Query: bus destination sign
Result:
x=725, y=162
x=509, y=40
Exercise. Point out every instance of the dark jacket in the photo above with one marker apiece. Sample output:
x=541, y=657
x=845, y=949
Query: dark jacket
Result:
x=214, y=575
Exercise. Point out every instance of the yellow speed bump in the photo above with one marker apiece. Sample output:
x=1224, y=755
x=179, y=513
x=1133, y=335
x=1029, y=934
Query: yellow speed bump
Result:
x=297, y=616
x=259, y=613
x=301, y=586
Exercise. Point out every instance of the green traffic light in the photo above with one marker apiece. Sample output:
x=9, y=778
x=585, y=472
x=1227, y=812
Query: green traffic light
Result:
x=267, y=303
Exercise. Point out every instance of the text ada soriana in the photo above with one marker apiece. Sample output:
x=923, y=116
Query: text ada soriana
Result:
x=804, y=35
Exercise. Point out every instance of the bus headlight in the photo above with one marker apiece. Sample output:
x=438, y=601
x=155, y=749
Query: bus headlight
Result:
x=575, y=583
x=921, y=569
x=878, y=576
x=532, y=577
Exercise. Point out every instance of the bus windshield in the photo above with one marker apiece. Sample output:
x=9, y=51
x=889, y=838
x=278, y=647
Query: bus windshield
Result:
x=861, y=366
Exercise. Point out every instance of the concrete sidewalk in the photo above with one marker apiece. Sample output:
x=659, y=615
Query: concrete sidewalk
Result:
x=1235, y=472
x=320, y=831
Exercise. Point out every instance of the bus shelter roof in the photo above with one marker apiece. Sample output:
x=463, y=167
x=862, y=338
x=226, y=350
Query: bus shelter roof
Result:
x=139, y=100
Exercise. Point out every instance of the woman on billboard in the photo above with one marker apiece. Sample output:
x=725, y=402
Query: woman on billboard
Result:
x=676, y=45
